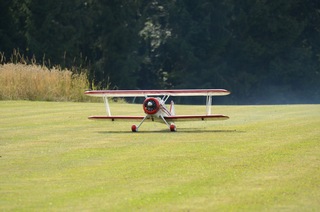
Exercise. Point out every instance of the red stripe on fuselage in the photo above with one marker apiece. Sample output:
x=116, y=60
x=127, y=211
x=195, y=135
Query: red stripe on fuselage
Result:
x=165, y=110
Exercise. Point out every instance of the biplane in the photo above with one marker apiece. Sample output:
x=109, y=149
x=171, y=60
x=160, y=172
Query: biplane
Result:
x=154, y=105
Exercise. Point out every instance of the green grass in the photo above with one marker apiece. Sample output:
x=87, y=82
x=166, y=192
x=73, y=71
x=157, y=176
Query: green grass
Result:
x=265, y=158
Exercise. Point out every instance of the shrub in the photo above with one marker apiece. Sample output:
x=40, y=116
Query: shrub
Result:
x=34, y=82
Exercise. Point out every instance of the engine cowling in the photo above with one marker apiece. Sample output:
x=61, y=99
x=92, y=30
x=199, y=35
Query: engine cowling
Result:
x=151, y=105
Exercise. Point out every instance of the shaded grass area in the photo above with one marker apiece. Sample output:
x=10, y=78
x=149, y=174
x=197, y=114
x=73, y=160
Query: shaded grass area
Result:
x=263, y=158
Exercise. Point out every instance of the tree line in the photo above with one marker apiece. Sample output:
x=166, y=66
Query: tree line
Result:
x=263, y=51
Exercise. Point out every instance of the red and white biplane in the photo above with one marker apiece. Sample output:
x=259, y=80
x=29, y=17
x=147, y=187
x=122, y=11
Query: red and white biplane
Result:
x=154, y=105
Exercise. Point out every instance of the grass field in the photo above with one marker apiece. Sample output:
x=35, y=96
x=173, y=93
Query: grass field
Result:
x=264, y=158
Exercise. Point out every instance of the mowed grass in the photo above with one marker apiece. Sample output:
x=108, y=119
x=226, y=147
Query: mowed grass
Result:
x=264, y=158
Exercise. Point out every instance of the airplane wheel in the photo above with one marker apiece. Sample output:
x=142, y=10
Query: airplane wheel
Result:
x=134, y=128
x=173, y=128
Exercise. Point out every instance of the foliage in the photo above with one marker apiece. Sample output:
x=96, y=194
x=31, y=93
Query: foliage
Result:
x=33, y=82
x=263, y=51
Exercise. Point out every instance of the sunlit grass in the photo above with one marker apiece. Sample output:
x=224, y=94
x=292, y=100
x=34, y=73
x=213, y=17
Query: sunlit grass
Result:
x=262, y=158
x=34, y=82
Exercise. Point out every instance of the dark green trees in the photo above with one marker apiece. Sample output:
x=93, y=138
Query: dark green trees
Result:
x=263, y=51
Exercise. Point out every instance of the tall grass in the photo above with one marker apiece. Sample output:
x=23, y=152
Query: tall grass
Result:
x=33, y=82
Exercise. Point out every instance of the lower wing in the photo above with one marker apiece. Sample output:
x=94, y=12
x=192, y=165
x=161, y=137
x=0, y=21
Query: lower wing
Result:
x=216, y=117
x=120, y=118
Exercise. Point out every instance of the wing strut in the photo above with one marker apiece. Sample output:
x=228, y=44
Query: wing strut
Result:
x=135, y=128
x=208, y=104
x=105, y=99
x=165, y=98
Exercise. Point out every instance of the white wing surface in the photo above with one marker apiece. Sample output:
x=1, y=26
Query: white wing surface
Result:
x=145, y=93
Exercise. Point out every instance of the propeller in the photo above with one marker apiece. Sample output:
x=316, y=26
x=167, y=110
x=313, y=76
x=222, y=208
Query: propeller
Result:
x=151, y=105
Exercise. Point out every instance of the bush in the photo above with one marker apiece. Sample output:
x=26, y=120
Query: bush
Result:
x=34, y=82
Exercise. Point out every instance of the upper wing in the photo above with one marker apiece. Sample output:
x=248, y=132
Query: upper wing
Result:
x=143, y=93
x=215, y=117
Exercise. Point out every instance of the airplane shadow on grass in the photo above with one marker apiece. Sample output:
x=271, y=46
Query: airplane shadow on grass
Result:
x=179, y=131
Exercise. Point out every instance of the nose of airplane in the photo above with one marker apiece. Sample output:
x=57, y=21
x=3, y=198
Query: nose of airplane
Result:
x=150, y=104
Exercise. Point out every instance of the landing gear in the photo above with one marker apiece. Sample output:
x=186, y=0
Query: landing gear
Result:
x=134, y=128
x=173, y=128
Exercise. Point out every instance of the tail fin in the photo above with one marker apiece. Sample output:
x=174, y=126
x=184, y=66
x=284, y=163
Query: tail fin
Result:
x=172, y=108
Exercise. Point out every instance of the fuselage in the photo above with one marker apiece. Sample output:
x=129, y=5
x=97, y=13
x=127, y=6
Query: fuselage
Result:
x=155, y=107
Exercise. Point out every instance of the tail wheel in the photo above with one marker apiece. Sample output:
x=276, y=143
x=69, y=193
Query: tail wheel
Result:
x=134, y=128
x=173, y=128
